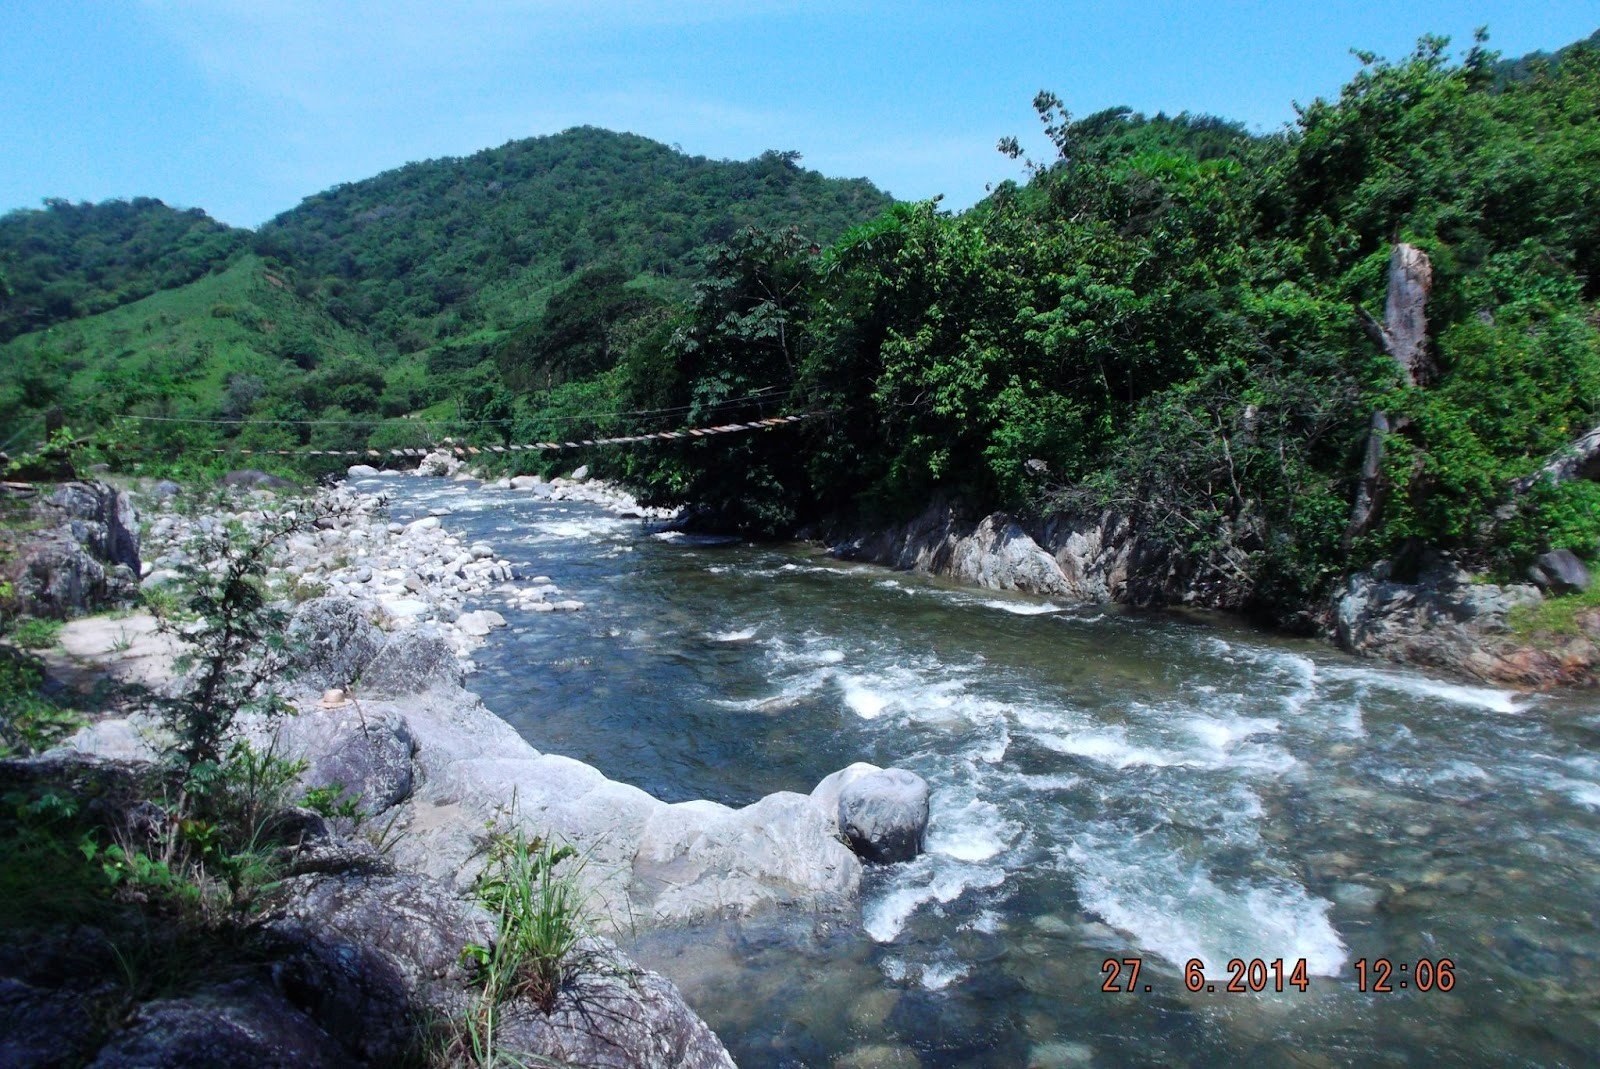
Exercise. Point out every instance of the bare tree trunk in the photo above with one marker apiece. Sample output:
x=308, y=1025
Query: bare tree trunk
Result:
x=1370, y=490
x=1404, y=336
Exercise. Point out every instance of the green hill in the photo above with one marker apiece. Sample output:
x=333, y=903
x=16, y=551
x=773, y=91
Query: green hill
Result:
x=240, y=343
x=69, y=260
x=433, y=249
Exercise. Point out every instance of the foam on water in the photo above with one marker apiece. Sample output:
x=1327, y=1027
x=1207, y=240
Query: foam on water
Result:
x=922, y=883
x=1021, y=608
x=1492, y=699
x=1174, y=907
x=744, y=635
x=969, y=830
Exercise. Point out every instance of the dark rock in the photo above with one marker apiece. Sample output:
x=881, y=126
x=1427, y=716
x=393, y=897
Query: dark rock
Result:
x=1562, y=572
x=410, y=663
x=42, y=1028
x=611, y=1014
x=884, y=814
x=373, y=958
x=241, y=1025
x=85, y=557
x=1446, y=620
x=368, y=756
x=251, y=479
x=295, y=826
x=331, y=642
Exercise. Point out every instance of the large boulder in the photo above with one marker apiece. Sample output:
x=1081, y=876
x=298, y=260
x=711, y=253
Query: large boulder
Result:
x=1560, y=572
x=331, y=642
x=84, y=555
x=439, y=464
x=412, y=662
x=881, y=812
x=1445, y=619
x=361, y=471
x=243, y=1025
x=373, y=958
x=368, y=756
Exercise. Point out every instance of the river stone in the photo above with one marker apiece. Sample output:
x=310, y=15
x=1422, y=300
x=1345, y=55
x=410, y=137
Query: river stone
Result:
x=884, y=814
x=1561, y=572
x=579, y=474
x=361, y=471
x=410, y=663
x=480, y=623
x=331, y=642
x=439, y=464
x=611, y=1014
x=526, y=482
x=243, y=1025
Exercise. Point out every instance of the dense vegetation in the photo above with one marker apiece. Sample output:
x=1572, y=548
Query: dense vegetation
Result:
x=435, y=249
x=70, y=260
x=1172, y=317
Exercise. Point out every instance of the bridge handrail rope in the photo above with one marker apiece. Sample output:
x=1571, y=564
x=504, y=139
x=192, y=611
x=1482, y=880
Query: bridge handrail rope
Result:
x=476, y=450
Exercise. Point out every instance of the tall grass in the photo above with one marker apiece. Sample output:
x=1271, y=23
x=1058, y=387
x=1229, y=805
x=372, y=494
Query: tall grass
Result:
x=542, y=912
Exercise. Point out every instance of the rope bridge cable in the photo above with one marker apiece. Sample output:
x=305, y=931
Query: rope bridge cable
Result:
x=476, y=450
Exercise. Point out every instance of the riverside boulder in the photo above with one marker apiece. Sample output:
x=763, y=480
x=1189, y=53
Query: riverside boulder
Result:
x=881, y=812
x=331, y=642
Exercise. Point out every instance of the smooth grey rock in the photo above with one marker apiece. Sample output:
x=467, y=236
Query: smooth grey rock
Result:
x=331, y=642
x=579, y=474
x=361, y=471
x=480, y=623
x=884, y=814
x=526, y=482
x=412, y=662
x=1562, y=572
x=242, y=1025
x=825, y=795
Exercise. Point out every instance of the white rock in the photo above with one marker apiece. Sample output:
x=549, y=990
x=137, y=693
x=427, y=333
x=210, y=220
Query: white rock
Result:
x=480, y=623
x=361, y=471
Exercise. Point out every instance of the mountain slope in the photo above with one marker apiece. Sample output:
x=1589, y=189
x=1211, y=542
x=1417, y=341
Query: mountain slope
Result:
x=238, y=343
x=432, y=249
x=69, y=260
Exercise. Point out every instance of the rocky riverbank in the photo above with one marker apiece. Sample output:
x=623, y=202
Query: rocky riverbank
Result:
x=372, y=927
x=1440, y=617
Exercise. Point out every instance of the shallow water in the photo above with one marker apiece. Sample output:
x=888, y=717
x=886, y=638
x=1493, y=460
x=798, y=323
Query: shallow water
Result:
x=1106, y=784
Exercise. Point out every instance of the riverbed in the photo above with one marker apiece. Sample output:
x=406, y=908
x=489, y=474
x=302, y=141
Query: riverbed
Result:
x=1106, y=784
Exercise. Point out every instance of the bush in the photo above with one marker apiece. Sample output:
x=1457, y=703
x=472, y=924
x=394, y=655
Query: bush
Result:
x=36, y=634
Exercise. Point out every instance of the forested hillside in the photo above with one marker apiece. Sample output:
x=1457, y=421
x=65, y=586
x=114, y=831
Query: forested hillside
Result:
x=1183, y=323
x=69, y=260
x=434, y=249
x=421, y=292
x=1172, y=318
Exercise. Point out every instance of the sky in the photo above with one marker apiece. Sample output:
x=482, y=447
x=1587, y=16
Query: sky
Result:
x=243, y=107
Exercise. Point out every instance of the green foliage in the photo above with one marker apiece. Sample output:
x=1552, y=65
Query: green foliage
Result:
x=30, y=722
x=71, y=260
x=34, y=634
x=1558, y=617
x=542, y=912
x=437, y=249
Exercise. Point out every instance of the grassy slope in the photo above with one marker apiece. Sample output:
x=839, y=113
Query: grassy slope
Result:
x=195, y=336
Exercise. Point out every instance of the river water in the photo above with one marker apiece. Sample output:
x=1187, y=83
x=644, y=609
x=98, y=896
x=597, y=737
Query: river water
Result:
x=1106, y=784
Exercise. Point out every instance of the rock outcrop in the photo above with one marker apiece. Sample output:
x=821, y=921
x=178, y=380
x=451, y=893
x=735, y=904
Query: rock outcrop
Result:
x=85, y=555
x=1445, y=619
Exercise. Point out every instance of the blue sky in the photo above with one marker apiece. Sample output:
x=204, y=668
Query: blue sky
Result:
x=242, y=107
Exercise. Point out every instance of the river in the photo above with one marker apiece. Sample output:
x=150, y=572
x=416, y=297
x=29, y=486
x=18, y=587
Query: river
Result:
x=1106, y=784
